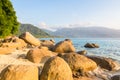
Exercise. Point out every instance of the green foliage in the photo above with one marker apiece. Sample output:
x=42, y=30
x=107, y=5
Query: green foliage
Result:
x=33, y=30
x=8, y=19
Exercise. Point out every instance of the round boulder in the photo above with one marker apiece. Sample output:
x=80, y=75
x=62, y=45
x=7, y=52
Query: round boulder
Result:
x=20, y=72
x=39, y=55
x=65, y=46
x=79, y=63
x=56, y=69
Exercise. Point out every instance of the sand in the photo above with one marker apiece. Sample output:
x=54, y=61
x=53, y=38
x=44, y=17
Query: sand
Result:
x=16, y=58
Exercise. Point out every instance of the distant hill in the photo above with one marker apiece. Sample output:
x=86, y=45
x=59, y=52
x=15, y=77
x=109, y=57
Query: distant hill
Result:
x=87, y=32
x=33, y=30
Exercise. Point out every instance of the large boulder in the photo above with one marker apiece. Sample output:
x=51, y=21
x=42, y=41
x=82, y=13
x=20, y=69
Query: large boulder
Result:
x=91, y=45
x=65, y=46
x=79, y=63
x=106, y=63
x=39, y=55
x=29, y=38
x=20, y=72
x=56, y=69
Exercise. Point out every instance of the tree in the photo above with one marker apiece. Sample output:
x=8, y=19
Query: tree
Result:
x=8, y=20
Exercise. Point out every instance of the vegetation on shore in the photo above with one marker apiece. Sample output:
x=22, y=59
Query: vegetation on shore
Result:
x=8, y=20
x=33, y=30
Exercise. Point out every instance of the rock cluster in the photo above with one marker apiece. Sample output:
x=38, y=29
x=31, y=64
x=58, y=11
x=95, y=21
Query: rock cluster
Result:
x=91, y=45
x=61, y=61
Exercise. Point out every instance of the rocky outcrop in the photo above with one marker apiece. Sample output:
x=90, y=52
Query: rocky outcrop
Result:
x=39, y=55
x=29, y=38
x=20, y=72
x=105, y=63
x=64, y=47
x=56, y=69
x=10, y=44
x=17, y=44
x=79, y=63
x=91, y=45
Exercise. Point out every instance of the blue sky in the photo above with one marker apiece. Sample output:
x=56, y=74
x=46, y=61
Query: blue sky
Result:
x=55, y=13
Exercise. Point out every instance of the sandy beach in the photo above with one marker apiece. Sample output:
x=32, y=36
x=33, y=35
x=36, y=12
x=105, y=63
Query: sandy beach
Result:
x=16, y=58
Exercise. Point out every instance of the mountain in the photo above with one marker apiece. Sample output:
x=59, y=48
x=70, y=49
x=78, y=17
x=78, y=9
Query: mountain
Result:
x=87, y=32
x=33, y=30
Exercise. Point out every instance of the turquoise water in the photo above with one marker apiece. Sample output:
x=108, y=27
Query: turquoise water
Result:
x=108, y=47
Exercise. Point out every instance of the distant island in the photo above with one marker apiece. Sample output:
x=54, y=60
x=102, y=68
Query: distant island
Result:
x=86, y=32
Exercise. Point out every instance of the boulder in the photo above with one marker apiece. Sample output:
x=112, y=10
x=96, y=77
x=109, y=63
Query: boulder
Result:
x=64, y=47
x=79, y=63
x=48, y=43
x=56, y=69
x=39, y=55
x=29, y=38
x=106, y=63
x=20, y=72
x=91, y=45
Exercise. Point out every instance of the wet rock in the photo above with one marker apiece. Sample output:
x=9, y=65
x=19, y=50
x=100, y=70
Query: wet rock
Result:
x=65, y=46
x=19, y=72
x=105, y=63
x=91, y=45
x=56, y=69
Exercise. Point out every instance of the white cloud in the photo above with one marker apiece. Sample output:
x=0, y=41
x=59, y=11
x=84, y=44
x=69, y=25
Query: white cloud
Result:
x=43, y=25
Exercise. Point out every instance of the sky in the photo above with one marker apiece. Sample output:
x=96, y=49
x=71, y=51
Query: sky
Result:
x=51, y=14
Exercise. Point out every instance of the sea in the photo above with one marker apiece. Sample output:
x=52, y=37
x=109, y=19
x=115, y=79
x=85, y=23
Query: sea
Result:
x=109, y=47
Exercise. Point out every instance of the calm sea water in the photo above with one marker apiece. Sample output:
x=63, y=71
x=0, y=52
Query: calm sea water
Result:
x=108, y=47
